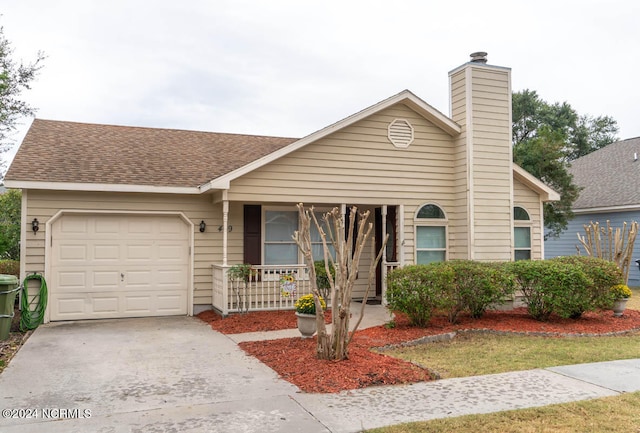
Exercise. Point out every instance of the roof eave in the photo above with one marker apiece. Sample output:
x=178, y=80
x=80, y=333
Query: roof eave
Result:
x=546, y=193
x=100, y=187
x=607, y=209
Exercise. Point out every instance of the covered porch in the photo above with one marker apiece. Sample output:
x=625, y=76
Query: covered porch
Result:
x=264, y=278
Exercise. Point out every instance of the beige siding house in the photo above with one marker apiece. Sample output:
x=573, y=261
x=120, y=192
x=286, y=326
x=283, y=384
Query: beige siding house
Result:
x=146, y=222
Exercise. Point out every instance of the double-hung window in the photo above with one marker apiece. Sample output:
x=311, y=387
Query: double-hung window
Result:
x=279, y=246
x=431, y=234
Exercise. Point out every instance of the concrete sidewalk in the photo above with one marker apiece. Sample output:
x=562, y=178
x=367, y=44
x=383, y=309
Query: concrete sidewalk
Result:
x=373, y=407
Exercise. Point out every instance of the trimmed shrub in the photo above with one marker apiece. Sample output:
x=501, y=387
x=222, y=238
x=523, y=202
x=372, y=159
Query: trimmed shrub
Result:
x=604, y=274
x=477, y=286
x=10, y=267
x=552, y=287
x=417, y=290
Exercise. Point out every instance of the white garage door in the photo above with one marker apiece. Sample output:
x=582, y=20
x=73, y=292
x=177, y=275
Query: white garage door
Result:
x=111, y=266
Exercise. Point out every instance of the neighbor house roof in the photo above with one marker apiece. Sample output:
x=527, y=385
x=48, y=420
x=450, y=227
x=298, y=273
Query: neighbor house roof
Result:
x=92, y=154
x=609, y=177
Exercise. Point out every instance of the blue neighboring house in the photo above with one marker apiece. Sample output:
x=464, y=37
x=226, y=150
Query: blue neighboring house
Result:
x=610, y=178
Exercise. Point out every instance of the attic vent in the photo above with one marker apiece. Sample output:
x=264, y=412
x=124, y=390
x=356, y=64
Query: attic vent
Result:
x=400, y=133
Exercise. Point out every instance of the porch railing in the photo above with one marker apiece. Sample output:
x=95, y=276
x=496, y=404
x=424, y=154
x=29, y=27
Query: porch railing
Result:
x=268, y=287
x=386, y=268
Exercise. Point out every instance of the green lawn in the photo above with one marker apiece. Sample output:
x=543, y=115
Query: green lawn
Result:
x=474, y=354
x=604, y=415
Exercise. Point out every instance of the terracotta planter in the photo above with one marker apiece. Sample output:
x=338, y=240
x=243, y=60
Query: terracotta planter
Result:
x=619, y=305
x=306, y=324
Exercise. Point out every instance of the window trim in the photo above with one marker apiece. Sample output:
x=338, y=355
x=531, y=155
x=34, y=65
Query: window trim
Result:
x=521, y=223
x=431, y=222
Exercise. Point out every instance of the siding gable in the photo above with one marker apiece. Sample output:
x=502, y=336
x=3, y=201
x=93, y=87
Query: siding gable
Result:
x=358, y=164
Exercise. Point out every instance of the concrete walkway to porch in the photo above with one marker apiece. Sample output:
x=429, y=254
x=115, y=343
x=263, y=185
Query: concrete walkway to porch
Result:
x=374, y=315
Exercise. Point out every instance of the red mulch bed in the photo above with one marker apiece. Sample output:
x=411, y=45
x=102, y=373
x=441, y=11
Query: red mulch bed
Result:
x=256, y=321
x=294, y=358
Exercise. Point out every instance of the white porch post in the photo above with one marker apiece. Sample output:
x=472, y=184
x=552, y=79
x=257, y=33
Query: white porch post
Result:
x=225, y=226
x=384, y=233
x=383, y=265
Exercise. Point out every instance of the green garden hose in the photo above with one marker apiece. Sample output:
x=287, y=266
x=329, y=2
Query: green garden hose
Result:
x=32, y=318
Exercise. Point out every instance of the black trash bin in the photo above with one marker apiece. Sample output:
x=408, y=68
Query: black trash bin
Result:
x=8, y=290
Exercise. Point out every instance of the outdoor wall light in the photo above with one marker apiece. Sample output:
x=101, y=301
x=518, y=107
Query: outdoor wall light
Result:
x=35, y=225
x=203, y=226
x=220, y=228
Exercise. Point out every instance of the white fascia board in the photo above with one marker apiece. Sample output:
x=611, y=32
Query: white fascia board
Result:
x=548, y=194
x=606, y=209
x=100, y=187
x=406, y=97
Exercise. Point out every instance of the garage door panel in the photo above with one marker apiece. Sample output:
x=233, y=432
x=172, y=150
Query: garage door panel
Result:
x=139, y=226
x=73, y=225
x=167, y=252
x=71, y=279
x=109, y=266
x=168, y=227
x=71, y=252
x=69, y=307
x=102, y=305
x=169, y=278
x=139, y=304
x=105, y=280
x=139, y=252
x=169, y=304
x=105, y=252
x=109, y=225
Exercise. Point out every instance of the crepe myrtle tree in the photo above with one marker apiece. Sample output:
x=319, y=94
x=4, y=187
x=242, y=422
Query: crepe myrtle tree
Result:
x=348, y=242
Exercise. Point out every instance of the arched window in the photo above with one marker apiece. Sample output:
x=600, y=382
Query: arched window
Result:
x=521, y=234
x=431, y=234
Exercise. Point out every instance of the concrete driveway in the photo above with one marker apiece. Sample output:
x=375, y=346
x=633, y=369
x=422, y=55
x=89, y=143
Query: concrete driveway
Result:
x=143, y=375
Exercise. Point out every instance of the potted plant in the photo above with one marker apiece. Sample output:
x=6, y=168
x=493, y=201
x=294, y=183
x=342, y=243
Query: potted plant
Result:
x=306, y=314
x=620, y=294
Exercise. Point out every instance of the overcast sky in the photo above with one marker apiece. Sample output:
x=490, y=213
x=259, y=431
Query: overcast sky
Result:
x=289, y=68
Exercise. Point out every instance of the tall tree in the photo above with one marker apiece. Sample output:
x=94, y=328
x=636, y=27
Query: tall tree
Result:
x=14, y=79
x=546, y=137
x=592, y=133
x=10, y=208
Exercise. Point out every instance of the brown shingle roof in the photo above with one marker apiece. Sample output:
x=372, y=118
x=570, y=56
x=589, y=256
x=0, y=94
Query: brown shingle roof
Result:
x=610, y=176
x=55, y=151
